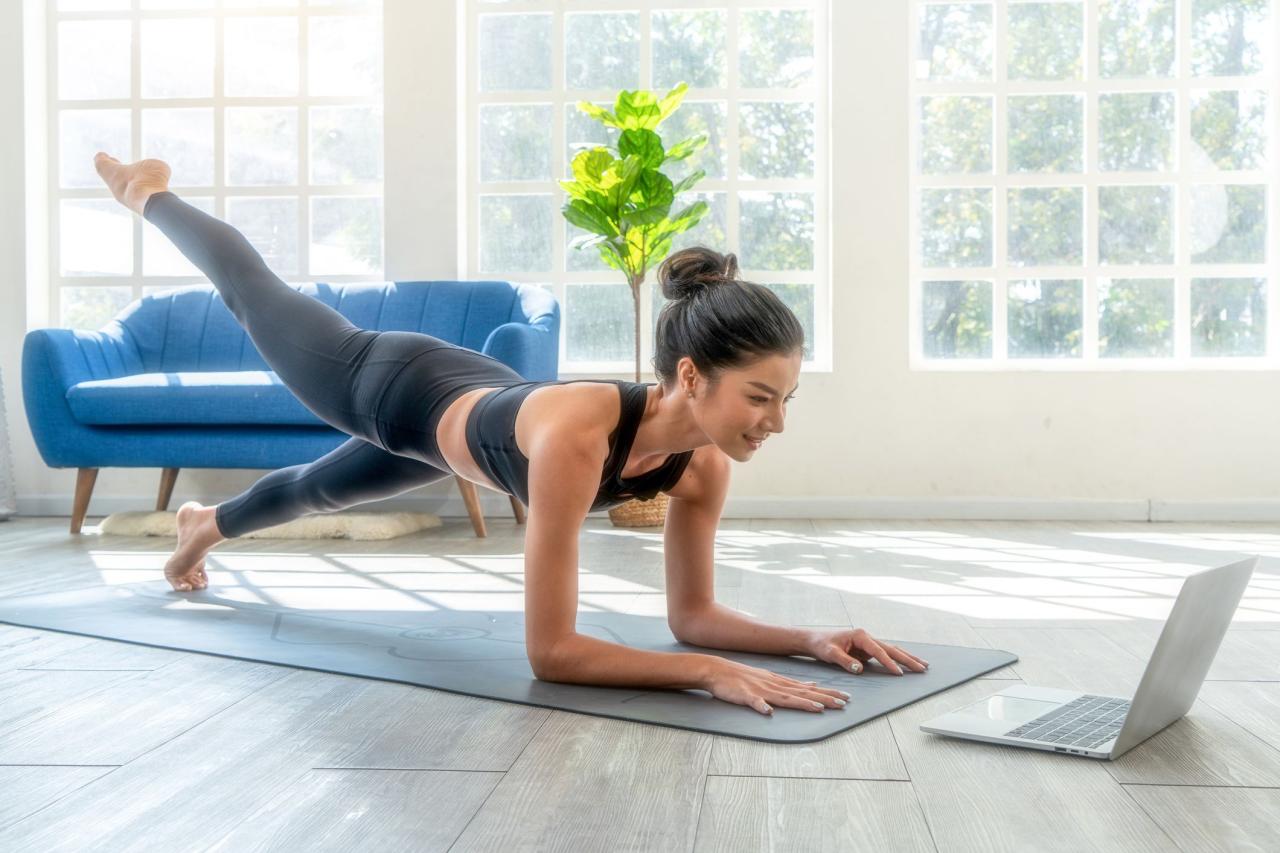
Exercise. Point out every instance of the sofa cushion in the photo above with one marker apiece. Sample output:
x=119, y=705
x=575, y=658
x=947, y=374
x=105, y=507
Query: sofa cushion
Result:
x=205, y=397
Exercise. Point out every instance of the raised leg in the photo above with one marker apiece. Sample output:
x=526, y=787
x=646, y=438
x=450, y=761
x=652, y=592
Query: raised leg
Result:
x=337, y=370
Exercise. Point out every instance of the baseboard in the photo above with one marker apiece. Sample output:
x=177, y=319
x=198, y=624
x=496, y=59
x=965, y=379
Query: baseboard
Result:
x=958, y=509
x=1230, y=510
x=954, y=509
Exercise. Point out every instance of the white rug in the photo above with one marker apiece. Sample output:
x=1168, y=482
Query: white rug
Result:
x=338, y=525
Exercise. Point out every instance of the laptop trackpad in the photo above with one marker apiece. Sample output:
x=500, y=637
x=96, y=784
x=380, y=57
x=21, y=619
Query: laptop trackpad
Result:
x=1011, y=709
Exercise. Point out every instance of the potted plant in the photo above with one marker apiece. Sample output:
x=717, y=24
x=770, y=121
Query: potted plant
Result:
x=621, y=198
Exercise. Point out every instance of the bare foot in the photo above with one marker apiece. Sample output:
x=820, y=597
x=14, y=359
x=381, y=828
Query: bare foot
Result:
x=197, y=534
x=134, y=183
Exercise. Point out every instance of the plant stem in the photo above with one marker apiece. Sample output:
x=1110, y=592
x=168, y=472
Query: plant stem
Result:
x=636, y=282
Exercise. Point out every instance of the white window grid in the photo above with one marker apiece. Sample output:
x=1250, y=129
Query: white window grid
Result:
x=1182, y=178
x=563, y=100
x=219, y=191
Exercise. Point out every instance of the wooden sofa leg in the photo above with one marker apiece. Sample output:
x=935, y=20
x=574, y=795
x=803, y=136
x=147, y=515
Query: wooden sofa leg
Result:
x=472, y=499
x=85, y=479
x=517, y=508
x=168, y=477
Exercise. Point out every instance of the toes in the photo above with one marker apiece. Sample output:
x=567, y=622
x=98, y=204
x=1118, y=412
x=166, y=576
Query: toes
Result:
x=191, y=582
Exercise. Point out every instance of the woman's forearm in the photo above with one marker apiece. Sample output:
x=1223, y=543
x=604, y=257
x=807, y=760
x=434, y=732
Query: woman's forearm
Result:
x=720, y=627
x=579, y=659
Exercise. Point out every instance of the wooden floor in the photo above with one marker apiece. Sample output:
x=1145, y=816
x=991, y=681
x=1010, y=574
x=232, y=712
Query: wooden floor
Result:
x=111, y=746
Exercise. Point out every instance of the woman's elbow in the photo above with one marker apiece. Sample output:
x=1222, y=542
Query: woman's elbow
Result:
x=542, y=668
x=546, y=662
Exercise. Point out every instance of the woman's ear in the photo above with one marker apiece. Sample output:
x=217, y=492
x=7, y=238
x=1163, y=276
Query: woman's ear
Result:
x=687, y=376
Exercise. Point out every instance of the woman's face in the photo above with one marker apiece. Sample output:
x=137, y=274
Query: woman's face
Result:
x=747, y=403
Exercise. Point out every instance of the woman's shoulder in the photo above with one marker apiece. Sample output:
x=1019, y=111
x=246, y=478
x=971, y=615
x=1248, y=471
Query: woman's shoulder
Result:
x=705, y=477
x=582, y=401
x=567, y=416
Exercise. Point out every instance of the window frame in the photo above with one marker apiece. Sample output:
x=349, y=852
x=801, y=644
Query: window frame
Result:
x=219, y=191
x=563, y=100
x=1181, y=178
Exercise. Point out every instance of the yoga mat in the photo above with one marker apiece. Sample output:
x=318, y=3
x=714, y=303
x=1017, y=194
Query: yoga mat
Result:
x=482, y=654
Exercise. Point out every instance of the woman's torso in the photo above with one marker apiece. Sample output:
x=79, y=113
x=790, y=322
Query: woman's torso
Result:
x=499, y=429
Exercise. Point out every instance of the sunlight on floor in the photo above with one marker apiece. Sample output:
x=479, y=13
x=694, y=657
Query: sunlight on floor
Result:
x=978, y=576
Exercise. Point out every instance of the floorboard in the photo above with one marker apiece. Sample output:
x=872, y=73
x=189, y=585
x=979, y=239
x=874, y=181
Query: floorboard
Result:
x=107, y=745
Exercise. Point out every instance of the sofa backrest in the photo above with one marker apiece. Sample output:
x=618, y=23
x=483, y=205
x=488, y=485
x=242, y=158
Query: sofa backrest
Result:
x=189, y=328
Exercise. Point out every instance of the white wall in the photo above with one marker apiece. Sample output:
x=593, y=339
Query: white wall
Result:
x=871, y=438
x=13, y=237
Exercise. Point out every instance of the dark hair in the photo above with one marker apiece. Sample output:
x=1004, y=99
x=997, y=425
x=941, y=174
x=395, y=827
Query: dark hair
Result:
x=715, y=319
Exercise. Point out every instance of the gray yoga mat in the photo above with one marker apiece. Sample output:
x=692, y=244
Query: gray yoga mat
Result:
x=481, y=654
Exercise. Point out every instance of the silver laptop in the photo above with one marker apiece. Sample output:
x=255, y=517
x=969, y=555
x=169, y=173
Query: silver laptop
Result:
x=1109, y=726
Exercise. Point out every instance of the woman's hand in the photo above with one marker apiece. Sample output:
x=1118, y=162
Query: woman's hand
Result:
x=851, y=648
x=741, y=684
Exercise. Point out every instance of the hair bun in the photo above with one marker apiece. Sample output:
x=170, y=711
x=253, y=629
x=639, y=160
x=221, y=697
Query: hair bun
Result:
x=690, y=271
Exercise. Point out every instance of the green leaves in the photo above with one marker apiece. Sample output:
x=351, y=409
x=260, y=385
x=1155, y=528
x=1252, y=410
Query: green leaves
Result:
x=590, y=166
x=689, y=181
x=638, y=110
x=589, y=217
x=644, y=144
x=620, y=197
x=692, y=145
x=655, y=192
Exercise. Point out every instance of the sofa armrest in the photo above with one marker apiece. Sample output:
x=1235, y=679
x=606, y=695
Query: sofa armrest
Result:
x=69, y=356
x=530, y=349
x=54, y=360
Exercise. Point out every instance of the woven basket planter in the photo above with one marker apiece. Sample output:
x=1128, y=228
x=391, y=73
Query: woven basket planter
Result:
x=641, y=513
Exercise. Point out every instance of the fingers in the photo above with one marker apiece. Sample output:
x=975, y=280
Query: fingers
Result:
x=778, y=691
x=845, y=661
x=807, y=696
x=810, y=687
x=878, y=652
x=906, y=657
x=889, y=655
x=800, y=703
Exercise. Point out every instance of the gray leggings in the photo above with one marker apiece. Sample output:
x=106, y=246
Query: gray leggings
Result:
x=387, y=390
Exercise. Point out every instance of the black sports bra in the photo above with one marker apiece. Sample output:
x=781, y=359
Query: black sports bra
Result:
x=491, y=438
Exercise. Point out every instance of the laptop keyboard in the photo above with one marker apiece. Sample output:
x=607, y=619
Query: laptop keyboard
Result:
x=1088, y=721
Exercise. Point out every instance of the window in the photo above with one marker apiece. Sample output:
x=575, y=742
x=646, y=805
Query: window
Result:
x=757, y=75
x=1094, y=183
x=269, y=112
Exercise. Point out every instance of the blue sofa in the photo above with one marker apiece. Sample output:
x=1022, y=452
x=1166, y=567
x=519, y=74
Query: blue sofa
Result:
x=173, y=381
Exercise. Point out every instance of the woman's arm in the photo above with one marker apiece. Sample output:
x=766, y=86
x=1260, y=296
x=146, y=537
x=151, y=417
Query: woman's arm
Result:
x=563, y=481
x=689, y=551
x=697, y=619
x=564, y=475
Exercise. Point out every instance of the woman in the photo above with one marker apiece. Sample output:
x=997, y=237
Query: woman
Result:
x=420, y=409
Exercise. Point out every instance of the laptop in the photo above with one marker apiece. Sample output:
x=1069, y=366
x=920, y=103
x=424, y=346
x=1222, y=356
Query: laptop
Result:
x=1076, y=723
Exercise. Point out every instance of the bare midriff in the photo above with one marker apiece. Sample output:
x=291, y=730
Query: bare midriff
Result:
x=451, y=436
x=451, y=431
